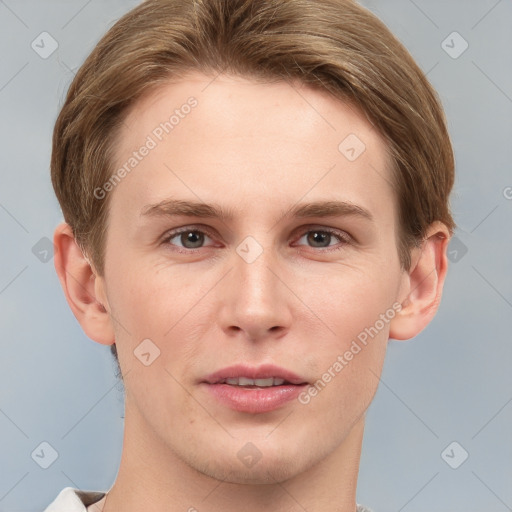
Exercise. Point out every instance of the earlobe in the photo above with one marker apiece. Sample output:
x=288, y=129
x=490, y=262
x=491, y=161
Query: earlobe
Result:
x=84, y=290
x=423, y=284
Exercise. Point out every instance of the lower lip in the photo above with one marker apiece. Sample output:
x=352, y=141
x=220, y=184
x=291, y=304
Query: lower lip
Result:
x=254, y=400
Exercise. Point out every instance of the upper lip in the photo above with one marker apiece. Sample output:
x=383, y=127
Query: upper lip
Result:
x=264, y=371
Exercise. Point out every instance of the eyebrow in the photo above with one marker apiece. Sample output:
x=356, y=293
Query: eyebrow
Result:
x=175, y=207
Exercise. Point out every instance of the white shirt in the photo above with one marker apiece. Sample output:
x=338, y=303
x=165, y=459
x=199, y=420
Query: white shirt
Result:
x=75, y=500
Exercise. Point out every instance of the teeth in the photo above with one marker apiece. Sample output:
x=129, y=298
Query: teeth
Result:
x=243, y=381
x=264, y=383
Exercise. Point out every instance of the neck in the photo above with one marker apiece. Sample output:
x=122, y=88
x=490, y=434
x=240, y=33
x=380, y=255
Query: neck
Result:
x=151, y=477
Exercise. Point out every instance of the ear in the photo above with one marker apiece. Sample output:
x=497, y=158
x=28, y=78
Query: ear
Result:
x=83, y=288
x=423, y=284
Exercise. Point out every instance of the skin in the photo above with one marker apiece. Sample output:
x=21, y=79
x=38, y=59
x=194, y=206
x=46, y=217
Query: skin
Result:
x=298, y=305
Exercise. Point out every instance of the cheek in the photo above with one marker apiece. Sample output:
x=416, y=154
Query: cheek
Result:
x=356, y=313
x=151, y=302
x=169, y=311
x=352, y=301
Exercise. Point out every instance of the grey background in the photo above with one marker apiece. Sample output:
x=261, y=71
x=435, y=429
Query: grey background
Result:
x=451, y=383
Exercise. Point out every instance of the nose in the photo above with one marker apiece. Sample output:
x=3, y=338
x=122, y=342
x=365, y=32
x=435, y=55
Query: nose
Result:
x=256, y=301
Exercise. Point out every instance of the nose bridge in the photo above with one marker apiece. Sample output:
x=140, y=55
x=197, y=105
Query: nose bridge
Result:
x=253, y=262
x=258, y=301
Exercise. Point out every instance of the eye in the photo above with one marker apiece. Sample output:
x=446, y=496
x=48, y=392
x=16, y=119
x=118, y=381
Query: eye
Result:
x=322, y=238
x=187, y=237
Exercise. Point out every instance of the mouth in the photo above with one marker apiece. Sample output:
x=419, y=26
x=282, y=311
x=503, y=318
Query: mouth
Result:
x=261, y=376
x=254, y=389
x=254, y=383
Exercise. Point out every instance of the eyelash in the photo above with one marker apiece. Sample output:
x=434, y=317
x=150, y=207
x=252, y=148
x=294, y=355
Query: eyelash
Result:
x=344, y=238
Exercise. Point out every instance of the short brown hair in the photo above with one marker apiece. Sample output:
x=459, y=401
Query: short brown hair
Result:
x=334, y=45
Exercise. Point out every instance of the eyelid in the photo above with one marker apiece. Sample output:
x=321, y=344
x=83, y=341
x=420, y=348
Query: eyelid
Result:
x=333, y=231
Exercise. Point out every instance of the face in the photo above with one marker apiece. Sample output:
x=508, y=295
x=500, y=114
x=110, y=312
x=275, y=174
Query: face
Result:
x=261, y=277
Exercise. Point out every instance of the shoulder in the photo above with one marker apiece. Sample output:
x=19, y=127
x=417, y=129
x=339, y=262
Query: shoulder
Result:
x=74, y=500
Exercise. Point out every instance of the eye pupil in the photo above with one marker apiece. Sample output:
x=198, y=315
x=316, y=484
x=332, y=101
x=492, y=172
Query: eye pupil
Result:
x=318, y=236
x=194, y=237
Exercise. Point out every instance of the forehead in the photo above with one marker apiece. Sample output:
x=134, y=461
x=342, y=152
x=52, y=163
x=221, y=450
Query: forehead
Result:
x=233, y=139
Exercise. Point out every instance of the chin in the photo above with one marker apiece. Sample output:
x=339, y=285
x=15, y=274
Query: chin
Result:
x=260, y=474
